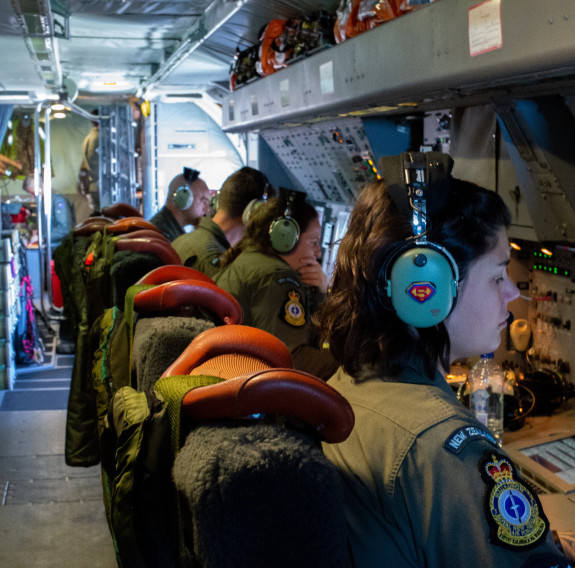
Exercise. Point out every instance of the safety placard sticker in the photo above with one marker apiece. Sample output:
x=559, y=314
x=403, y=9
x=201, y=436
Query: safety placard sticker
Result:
x=485, y=27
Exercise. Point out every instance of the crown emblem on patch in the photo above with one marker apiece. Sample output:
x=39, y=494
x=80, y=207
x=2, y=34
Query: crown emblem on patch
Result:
x=499, y=470
x=293, y=296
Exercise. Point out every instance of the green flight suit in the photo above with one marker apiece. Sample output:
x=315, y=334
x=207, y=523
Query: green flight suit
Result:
x=416, y=485
x=273, y=298
x=165, y=221
x=202, y=248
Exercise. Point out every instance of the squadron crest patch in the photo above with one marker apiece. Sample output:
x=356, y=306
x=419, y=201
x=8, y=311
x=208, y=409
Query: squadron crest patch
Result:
x=293, y=310
x=513, y=510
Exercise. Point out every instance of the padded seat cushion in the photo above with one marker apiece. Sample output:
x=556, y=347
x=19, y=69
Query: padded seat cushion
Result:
x=128, y=224
x=157, y=344
x=260, y=495
x=118, y=210
x=186, y=298
x=238, y=340
x=171, y=272
x=155, y=246
x=143, y=234
x=283, y=392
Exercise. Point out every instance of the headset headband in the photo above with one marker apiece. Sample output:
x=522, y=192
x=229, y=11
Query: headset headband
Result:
x=438, y=168
x=416, y=181
x=190, y=175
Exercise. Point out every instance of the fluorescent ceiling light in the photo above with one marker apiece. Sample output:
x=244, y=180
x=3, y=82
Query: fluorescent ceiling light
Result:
x=16, y=96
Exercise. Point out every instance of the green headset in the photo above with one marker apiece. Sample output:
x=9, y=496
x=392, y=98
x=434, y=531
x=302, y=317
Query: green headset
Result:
x=183, y=196
x=254, y=204
x=418, y=279
x=284, y=231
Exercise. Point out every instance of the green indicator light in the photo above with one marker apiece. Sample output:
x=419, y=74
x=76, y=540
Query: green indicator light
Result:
x=555, y=270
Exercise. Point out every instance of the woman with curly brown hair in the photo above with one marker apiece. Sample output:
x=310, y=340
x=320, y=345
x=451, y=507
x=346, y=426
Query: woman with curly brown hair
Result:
x=426, y=484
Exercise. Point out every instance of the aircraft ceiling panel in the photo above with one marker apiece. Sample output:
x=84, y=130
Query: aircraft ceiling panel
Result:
x=332, y=160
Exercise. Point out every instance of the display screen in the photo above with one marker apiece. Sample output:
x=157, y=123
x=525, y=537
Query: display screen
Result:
x=557, y=456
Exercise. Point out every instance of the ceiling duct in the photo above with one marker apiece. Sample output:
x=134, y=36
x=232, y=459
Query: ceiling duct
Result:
x=34, y=18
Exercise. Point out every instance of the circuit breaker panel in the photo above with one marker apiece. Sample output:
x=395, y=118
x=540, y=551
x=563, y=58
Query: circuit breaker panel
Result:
x=330, y=160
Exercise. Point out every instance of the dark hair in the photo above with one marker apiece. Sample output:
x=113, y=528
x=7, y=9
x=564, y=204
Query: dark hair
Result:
x=240, y=188
x=257, y=230
x=360, y=331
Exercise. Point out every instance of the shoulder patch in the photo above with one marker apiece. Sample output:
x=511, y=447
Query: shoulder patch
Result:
x=293, y=312
x=513, y=510
x=461, y=437
x=288, y=280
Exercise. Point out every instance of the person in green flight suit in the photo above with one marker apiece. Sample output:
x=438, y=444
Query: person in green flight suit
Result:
x=202, y=248
x=279, y=291
x=187, y=202
x=425, y=483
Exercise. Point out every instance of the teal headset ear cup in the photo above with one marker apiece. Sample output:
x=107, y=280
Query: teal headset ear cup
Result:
x=183, y=198
x=284, y=234
x=422, y=285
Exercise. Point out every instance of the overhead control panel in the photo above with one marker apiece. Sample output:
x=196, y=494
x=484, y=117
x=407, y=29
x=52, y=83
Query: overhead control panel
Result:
x=330, y=160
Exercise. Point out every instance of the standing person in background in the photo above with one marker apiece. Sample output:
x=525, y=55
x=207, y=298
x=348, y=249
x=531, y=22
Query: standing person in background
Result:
x=202, y=248
x=278, y=280
x=62, y=213
x=187, y=202
x=89, y=178
x=420, y=281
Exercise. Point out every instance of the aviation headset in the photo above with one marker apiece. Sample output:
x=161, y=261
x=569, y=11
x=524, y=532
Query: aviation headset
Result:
x=284, y=231
x=419, y=278
x=183, y=196
x=255, y=203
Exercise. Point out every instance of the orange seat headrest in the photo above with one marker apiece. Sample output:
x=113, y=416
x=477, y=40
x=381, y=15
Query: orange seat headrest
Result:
x=144, y=234
x=91, y=225
x=119, y=210
x=128, y=224
x=284, y=392
x=222, y=351
x=162, y=250
x=183, y=297
x=173, y=272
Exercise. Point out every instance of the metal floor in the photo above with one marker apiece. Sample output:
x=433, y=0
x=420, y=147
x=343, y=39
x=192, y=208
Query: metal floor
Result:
x=51, y=515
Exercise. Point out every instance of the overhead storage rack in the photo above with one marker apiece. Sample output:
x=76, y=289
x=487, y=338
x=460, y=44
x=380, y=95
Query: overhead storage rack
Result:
x=448, y=53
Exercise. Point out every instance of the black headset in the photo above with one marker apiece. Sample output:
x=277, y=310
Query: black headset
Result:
x=284, y=231
x=419, y=278
x=183, y=196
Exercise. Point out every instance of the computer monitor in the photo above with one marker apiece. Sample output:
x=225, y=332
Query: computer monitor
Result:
x=547, y=463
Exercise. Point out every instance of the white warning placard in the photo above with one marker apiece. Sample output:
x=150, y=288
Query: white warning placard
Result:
x=485, y=27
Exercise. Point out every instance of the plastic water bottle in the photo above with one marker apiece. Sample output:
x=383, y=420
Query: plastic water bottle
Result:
x=486, y=388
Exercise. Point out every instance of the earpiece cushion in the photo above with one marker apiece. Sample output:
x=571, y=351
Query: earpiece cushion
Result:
x=284, y=234
x=183, y=198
